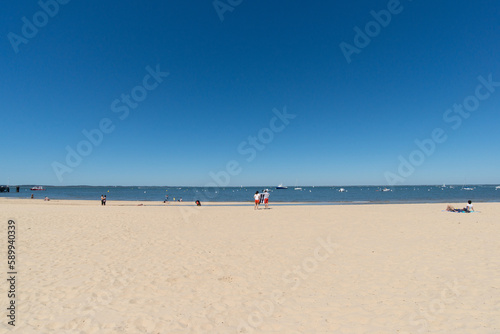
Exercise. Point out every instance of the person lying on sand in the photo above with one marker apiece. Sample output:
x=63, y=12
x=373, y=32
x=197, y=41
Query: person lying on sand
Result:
x=468, y=208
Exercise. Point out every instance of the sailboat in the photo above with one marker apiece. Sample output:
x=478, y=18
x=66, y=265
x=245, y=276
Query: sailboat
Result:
x=466, y=188
x=281, y=186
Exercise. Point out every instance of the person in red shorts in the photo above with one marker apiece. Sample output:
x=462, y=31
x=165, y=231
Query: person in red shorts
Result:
x=257, y=200
x=266, y=199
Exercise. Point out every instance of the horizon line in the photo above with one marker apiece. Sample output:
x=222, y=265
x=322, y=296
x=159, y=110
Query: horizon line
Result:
x=258, y=186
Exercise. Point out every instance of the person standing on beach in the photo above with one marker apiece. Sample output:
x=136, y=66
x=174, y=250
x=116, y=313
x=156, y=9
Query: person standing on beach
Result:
x=102, y=200
x=257, y=200
x=266, y=199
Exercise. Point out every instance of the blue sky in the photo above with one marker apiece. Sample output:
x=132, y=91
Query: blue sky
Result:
x=354, y=122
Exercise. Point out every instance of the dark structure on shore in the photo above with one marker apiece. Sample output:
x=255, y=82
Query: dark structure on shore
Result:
x=6, y=189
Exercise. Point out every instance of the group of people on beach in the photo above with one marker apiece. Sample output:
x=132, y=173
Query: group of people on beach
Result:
x=264, y=198
x=259, y=198
x=46, y=199
x=167, y=202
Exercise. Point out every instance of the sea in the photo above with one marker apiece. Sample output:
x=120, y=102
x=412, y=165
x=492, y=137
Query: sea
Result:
x=303, y=194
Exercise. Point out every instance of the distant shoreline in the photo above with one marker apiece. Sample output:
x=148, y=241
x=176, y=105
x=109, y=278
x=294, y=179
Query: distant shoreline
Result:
x=253, y=186
x=222, y=203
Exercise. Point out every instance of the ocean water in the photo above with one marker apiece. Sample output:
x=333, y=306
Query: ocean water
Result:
x=331, y=194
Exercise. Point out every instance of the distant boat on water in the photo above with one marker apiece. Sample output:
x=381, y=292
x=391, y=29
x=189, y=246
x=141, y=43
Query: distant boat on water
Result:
x=466, y=188
x=38, y=188
x=296, y=188
x=497, y=187
x=342, y=190
x=281, y=186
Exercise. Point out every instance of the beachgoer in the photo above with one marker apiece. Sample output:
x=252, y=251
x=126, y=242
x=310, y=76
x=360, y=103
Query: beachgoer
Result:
x=257, y=200
x=32, y=196
x=198, y=203
x=266, y=199
x=166, y=199
x=102, y=199
x=46, y=199
x=468, y=208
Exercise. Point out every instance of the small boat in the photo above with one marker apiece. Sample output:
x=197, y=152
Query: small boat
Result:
x=386, y=189
x=468, y=189
x=342, y=190
x=37, y=188
x=497, y=187
x=297, y=188
x=281, y=186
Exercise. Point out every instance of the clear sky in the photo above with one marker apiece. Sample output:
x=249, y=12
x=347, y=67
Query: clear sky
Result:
x=353, y=86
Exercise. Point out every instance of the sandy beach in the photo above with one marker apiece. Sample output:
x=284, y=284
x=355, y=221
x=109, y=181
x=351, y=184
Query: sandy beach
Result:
x=176, y=268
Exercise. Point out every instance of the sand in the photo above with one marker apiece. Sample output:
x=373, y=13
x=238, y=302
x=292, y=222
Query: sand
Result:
x=176, y=268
